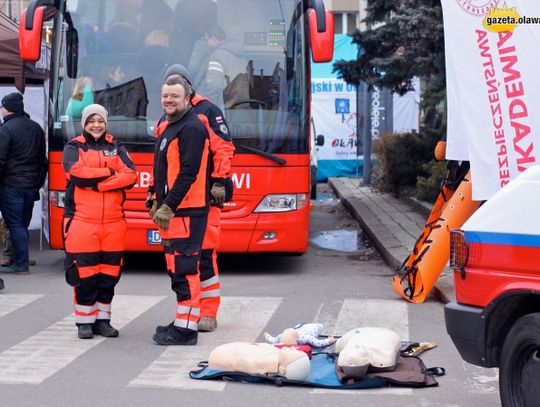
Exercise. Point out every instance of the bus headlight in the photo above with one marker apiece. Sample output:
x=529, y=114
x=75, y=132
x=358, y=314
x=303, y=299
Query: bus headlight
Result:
x=57, y=198
x=281, y=203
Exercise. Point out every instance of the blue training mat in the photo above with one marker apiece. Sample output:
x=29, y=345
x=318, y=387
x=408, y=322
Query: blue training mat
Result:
x=322, y=374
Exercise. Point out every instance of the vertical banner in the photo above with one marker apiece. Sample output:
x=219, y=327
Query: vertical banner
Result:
x=334, y=116
x=493, y=90
x=381, y=113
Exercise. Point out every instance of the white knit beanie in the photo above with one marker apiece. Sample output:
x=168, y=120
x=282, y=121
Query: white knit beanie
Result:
x=93, y=109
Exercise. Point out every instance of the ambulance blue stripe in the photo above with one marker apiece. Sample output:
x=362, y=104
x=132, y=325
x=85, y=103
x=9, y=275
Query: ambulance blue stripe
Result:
x=509, y=239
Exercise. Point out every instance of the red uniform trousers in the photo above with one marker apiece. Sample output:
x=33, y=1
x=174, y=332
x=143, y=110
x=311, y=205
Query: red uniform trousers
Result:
x=94, y=257
x=182, y=255
x=209, y=273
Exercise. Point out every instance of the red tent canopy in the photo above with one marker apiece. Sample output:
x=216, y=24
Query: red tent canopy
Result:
x=11, y=66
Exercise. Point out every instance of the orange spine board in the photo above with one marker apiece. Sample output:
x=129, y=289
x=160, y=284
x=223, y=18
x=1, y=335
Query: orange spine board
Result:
x=437, y=251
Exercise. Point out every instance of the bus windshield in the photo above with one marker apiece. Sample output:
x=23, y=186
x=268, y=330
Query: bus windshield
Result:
x=248, y=56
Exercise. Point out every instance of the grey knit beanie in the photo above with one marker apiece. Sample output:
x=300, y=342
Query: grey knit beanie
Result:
x=178, y=69
x=93, y=109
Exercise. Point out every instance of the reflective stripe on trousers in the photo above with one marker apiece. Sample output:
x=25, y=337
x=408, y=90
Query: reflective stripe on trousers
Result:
x=104, y=311
x=187, y=317
x=210, y=283
x=85, y=314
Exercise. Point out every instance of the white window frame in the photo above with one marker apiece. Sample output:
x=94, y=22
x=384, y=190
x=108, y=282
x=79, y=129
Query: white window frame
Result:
x=345, y=21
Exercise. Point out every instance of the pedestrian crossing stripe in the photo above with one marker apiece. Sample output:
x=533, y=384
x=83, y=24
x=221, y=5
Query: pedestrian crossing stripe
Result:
x=241, y=319
x=42, y=355
x=391, y=314
x=12, y=302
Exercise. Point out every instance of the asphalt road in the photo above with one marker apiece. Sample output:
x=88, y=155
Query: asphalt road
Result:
x=42, y=363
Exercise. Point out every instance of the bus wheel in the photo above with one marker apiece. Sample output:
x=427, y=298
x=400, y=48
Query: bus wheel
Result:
x=519, y=372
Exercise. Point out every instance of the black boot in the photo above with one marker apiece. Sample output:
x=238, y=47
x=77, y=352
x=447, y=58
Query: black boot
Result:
x=85, y=331
x=176, y=336
x=1, y=284
x=162, y=328
x=103, y=327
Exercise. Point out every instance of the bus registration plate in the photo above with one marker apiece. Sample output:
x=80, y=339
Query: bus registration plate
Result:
x=153, y=237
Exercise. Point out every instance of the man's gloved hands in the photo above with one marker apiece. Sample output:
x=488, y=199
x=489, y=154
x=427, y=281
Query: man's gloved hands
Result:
x=217, y=194
x=163, y=216
x=151, y=204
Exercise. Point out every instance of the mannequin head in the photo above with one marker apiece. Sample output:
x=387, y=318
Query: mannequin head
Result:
x=354, y=359
x=289, y=336
x=293, y=364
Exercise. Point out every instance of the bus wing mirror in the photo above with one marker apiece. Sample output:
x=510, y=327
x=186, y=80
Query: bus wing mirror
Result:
x=319, y=141
x=30, y=38
x=31, y=27
x=72, y=52
x=321, y=35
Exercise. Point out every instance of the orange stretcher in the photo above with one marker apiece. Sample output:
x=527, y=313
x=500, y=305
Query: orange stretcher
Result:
x=417, y=276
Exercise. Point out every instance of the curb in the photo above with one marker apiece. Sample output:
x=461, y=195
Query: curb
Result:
x=393, y=256
x=422, y=207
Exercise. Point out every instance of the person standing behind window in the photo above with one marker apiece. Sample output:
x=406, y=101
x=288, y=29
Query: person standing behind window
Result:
x=98, y=171
x=82, y=96
x=222, y=75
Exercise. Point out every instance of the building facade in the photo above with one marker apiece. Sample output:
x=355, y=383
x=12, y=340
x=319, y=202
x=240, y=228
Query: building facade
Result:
x=13, y=8
x=347, y=14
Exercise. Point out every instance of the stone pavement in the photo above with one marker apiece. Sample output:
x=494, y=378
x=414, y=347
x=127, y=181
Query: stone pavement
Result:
x=391, y=224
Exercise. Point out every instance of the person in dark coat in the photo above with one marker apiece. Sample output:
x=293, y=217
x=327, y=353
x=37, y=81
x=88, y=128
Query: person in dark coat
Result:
x=23, y=166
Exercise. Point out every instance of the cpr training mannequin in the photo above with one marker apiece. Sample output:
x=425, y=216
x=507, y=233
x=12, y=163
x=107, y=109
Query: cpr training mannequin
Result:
x=301, y=334
x=363, y=348
x=261, y=359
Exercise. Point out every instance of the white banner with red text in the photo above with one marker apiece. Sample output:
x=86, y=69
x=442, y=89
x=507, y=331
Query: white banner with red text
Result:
x=493, y=91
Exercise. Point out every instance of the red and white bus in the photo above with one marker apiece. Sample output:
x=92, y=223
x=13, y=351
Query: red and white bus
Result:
x=115, y=52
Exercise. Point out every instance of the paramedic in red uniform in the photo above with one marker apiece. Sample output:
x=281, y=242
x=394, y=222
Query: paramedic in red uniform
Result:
x=222, y=152
x=181, y=177
x=98, y=171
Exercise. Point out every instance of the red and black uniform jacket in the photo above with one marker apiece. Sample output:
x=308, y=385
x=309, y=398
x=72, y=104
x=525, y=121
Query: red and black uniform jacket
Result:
x=98, y=172
x=221, y=147
x=181, y=166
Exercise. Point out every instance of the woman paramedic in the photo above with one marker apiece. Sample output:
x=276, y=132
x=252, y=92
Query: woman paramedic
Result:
x=98, y=172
